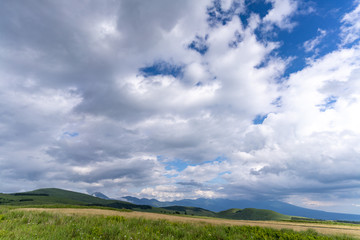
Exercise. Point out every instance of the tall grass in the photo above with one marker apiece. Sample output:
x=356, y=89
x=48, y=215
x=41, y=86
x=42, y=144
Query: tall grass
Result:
x=42, y=225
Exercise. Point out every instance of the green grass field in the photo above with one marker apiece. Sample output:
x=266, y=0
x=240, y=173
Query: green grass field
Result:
x=17, y=224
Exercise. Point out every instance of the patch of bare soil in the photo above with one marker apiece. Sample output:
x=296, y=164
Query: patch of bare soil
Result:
x=321, y=228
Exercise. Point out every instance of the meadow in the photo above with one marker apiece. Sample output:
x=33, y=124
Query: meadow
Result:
x=18, y=223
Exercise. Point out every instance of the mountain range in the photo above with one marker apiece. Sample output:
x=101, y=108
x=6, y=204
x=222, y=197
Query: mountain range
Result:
x=220, y=204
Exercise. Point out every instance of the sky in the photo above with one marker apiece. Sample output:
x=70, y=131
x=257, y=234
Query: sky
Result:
x=238, y=99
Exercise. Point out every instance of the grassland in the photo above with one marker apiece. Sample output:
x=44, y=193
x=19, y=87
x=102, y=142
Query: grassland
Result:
x=17, y=223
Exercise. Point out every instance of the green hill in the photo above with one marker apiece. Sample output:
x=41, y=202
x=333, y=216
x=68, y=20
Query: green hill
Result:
x=54, y=196
x=51, y=196
x=194, y=211
x=228, y=213
x=252, y=214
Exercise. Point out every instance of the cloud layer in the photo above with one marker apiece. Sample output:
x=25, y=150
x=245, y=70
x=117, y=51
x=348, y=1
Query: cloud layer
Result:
x=177, y=99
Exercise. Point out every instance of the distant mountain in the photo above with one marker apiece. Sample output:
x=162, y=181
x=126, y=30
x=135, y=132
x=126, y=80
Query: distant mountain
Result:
x=220, y=204
x=100, y=195
x=153, y=202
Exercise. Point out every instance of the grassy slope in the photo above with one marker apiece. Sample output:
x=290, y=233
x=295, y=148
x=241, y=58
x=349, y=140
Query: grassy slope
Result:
x=59, y=196
x=54, y=196
x=252, y=214
x=195, y=211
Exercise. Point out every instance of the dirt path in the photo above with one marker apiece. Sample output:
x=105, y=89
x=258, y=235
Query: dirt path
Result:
x=321, y=228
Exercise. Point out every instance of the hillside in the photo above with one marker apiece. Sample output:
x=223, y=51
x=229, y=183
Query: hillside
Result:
x=195, y=211
x=252, y=214
x=47, y=196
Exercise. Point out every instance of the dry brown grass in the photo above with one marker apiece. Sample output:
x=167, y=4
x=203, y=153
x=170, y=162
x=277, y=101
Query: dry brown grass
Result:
x=321, y=228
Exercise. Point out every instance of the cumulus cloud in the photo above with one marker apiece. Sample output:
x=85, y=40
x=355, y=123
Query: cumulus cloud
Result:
x=302, y=147
x=280, y=14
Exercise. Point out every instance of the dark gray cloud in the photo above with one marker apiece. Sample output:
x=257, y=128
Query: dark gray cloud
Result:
x=191, y=184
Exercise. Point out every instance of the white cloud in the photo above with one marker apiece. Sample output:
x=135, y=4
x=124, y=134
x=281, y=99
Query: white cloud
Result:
x=301, y=147
x=351, y=25
x=174, y=192
x=311, y=44
x=280, y=14
x=236, y=69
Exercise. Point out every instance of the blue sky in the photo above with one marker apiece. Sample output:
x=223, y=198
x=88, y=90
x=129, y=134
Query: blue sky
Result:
x=183, y=99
